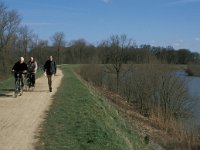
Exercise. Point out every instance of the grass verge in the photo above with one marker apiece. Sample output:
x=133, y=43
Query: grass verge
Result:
x=6, y=86
x=80, y=120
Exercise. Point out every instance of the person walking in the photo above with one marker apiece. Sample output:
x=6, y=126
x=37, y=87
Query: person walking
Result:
x=32, y=69
x=50, y=70
x=21, y=68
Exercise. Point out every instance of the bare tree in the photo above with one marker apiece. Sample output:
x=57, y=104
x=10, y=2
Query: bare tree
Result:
x=9, y=23
x=78, y=49
x=118, y=55
x=59, y=42
x=40, y=50
x=25, y=39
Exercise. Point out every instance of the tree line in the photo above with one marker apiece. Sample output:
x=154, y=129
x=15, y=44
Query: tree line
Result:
x=19, y=40
x=81, y=52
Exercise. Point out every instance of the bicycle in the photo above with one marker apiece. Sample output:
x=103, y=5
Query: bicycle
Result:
x=18, y=84
x=29, y=79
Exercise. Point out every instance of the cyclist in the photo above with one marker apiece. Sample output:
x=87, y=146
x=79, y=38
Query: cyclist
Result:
x=20, y=67
x=32, y=69
x=50, y=70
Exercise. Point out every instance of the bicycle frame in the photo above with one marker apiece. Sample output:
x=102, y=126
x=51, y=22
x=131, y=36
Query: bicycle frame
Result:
x=29, y=77
x=18, y=87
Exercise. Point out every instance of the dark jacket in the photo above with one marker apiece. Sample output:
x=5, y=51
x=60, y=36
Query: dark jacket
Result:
x=50, y=67
x=19, y=67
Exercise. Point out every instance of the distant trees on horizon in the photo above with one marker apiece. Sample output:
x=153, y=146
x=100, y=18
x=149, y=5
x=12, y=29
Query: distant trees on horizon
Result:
x=18, y=40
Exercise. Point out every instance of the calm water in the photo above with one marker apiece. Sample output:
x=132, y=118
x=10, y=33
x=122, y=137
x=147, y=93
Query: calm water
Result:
x=193, y=84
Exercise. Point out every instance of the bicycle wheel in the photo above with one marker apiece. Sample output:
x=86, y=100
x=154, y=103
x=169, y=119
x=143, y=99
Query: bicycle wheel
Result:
x=15, y=94
x=27, y=84
x=20, y=91
x=17, y=87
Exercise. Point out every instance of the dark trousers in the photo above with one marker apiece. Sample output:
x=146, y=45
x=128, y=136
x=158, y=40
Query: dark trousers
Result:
x=50, y=81
x=32, y=78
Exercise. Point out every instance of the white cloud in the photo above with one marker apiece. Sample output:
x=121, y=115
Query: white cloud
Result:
x=153, y=43
x=197, y=39
x=183, y=2
x=39, y=23
x=176, y=44
x=106, y=1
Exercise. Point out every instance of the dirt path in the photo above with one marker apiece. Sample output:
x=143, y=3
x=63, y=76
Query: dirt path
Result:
x=21, y=117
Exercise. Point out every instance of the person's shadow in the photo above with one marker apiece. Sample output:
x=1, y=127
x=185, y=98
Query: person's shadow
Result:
x=6, y=95
x=6, y=92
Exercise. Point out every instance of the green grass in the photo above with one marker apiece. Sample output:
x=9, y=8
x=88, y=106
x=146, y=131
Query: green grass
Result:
x=6, y=86
x=79, y=120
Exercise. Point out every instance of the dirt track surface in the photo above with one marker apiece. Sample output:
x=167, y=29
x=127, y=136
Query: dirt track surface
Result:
x=21, y=117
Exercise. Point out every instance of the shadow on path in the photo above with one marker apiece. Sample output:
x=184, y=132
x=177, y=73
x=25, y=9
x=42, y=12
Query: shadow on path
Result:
x=6, y=92
x=5, y=95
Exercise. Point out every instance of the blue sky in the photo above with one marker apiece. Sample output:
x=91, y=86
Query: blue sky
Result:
x=156, y=22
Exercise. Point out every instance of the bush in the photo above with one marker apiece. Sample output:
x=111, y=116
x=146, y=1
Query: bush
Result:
x=193, y=70
x=157, y=92
x=92, y=73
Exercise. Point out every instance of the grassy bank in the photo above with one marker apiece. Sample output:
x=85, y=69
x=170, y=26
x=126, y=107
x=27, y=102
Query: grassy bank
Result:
x=79, y=120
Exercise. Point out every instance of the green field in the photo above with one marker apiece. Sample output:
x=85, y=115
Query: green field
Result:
x=80, y=120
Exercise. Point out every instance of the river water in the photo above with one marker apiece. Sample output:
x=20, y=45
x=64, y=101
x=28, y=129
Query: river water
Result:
x=193, y=84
